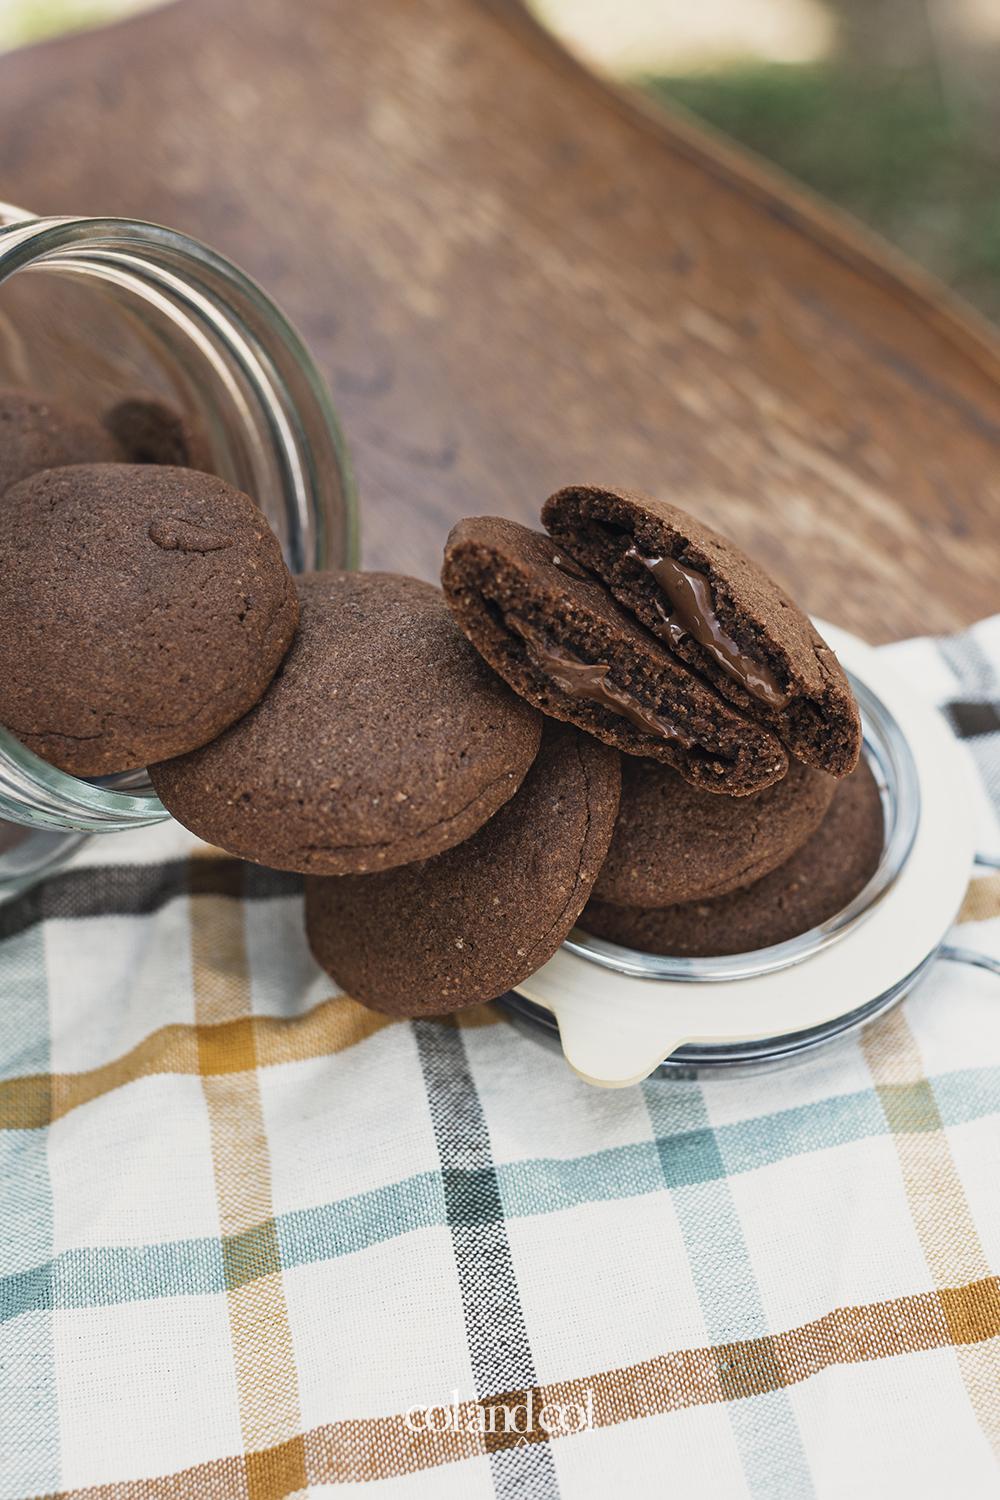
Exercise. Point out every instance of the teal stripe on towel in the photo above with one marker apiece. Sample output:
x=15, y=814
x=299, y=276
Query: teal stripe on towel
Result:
x=29, y=1425
x=764, y=1426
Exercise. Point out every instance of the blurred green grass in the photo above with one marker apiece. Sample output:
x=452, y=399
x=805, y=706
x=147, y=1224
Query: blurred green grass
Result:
x=24, y=21
x=890, y=146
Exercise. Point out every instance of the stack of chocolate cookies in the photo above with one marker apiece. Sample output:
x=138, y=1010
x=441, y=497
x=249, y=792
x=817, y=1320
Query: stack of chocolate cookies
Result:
x=619, y=721
x=747, y=816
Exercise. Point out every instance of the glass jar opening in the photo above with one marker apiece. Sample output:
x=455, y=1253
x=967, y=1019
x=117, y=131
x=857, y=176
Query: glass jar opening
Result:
x=94, y=311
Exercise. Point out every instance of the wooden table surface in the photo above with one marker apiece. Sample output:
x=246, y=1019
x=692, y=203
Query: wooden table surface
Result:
x=515, y=277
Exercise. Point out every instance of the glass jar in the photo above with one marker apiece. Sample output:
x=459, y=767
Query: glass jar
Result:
x=96, y=310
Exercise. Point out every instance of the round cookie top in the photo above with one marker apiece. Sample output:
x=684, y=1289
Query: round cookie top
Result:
x=36, y=434
x=818, y=881
x=143, y=610
x=464, y=927
x=718, y=611
x=560, y=640
x=674, y=843
x=383, y=739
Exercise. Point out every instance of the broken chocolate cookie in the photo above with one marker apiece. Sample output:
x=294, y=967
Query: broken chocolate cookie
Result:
x=560, y=640
x=718, y=612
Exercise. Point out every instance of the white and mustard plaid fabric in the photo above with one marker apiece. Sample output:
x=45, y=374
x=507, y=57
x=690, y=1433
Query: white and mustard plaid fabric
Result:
x=250, y=1232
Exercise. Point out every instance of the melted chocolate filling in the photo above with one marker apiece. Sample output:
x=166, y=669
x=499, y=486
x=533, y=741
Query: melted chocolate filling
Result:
x=569, y=566
x=692, y=613
x=589, y=680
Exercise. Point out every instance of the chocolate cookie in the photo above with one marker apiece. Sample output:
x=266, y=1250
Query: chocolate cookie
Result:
x=466, y=926
x=383, y=739
x=143, y=610
x=36, y=434
x=149, y=430
x=718, y=612
x=674, y=843
x=818, y=881
x=561, y=641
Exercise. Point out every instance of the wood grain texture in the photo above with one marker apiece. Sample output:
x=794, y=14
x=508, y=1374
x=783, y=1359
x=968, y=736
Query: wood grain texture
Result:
x=515, y=277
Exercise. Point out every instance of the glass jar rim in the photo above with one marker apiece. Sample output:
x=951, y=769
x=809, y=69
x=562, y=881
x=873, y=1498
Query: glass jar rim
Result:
x=27, y=240
x=235, y=308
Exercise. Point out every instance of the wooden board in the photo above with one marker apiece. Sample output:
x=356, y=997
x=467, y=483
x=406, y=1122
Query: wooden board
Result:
x=515, y=277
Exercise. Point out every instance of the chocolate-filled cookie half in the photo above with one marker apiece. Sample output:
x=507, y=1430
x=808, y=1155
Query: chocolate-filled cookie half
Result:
x=718, y=612
x=818, y=881
x=560, y=640
x=383, y=739
x=463, y=928
x=674, y=843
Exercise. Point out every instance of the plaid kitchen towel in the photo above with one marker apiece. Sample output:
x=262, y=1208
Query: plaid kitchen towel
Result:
x=257, y=1241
